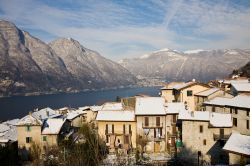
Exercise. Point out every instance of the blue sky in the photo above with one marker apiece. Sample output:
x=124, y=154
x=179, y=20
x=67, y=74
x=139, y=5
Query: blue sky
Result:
x=130, y=28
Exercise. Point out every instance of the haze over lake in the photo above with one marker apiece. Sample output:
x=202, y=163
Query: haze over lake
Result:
x=18, y=106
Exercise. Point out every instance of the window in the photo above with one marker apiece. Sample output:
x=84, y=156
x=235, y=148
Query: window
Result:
x=233, y=111
x=44, y=138
x=236, y=111
x=213, y=108
x=107, y=138
x=189, y=93
x=235, y=122
x=201, y=129
x=247, y=124
x=158, y=121
x=126, y=139
x=28, y=139
x=107, y=129
x=124, y=129
x=204, y=142
x=113, y=129
x=28, y=128
x=248, y=113
x=146, y=121
x=174, y=118
x=129, y=129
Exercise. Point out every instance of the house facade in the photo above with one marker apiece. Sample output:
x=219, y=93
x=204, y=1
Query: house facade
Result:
x=238, y=107
x=118, y=129
x=184, y=92
x=151, y=122
x=204, y=135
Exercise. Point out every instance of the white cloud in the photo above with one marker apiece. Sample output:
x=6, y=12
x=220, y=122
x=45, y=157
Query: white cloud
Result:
x=118, y=31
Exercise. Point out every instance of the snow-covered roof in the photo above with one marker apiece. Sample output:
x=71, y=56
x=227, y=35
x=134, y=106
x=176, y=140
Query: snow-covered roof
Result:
x=221, y=101
x=4, y=128
x=220, y=120
x=230, y=81
x=95, y=108
x=214, y=119
x=52, y=126
x=194, y=115
x=238, y=143
x=241, y=87
x=116, y=116
x=171, y=85
x=112, y=106
x=242, y=101
x=45, y=113
x=174, y=108
x=29, y=120
x=182, y=86
x=12, y=122
x=8, y=131
x=72, y=115
x=150, y=106
x=207, y=92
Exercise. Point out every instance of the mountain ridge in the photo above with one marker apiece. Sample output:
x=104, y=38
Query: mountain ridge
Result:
x=172, y=65
x=30, y=66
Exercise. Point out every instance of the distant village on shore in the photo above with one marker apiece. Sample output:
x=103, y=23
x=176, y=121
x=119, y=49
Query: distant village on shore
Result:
x=190, y=123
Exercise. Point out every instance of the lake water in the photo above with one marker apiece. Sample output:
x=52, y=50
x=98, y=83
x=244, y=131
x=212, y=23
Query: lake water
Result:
x=19, y=106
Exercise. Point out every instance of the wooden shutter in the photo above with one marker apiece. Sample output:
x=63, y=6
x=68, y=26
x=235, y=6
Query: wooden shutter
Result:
x=174, y=118
x=123, y=128
x=130, y=131
x=158, y=121
x=107, y=128
x=146, y=121
x=154, y=133
x=160, y=131
x=113, y=129
x=201, y=129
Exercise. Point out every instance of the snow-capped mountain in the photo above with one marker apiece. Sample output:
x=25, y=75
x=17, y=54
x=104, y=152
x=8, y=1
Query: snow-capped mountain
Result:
x=28, y=65
x=202, y=65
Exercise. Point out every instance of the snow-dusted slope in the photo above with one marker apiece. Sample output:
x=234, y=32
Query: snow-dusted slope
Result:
x=175, y=65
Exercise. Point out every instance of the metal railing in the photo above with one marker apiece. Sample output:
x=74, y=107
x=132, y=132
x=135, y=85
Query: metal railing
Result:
x=152, y=125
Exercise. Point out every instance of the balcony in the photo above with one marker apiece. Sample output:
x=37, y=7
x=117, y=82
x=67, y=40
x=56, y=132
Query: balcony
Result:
x=152, y=125
x=118, y=132
x=159, y=139
x=221, y=137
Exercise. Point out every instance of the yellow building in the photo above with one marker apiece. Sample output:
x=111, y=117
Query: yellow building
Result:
x=207, y=95
x=117, y=128
x=49, y=132
x=151, y=122
x=184, y=92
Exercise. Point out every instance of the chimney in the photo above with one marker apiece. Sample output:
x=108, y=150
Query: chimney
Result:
x=30, y=113
x=47, y=113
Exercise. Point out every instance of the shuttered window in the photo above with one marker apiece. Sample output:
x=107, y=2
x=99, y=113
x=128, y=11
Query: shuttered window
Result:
x=201, y=129
x=107, y=128
x=130, y=131
x=247, y=124
x=146, y=121
x=124, y=129
x=158, y=121
x=113, y=129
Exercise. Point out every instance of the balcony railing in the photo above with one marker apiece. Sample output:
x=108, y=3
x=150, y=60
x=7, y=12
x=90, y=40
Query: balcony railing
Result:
x=118, y=132
x=221, y=137
x=152, y=125
x=158, y=139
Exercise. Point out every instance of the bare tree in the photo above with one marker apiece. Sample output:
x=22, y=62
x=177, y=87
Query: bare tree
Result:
x=142, y=142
